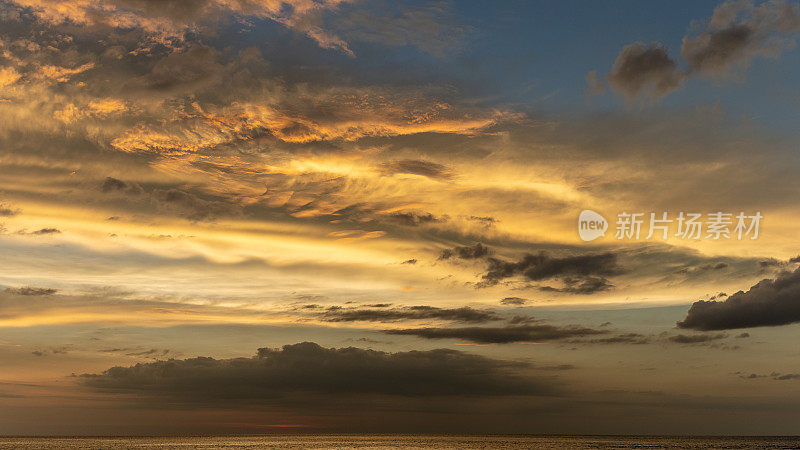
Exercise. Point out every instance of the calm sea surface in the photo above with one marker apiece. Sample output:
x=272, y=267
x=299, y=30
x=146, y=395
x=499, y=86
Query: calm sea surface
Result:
x=403, y=441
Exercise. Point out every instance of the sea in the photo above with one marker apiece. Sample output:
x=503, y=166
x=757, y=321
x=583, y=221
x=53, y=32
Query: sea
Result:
x=401, y=441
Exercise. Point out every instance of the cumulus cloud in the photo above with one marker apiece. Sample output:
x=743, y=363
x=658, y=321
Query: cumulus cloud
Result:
x=422, y=312
x=500, y=335
x=645, y=69
x=740, y=31
x=770, y=302
x=737, y=32
x=278, y=375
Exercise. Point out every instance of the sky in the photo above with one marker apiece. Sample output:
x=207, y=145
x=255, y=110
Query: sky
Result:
x=254, y=216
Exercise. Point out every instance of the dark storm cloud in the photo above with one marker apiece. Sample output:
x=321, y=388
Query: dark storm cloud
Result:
x=738, y=32
x=417, y=167
x=464, y=314
x=580, y=274
x=642, y=69
x=695, y=338
x=299, y=369
x=29, y=290
x=770, y=302
x=500, y=335
x=466, y=252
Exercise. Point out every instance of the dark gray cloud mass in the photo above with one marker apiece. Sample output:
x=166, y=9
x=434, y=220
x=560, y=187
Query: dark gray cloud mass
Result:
x=580, y=274
x=466, y=252
x=739, y=31
x=588, y=285
x=421, y=312
x=274, y=375
x=770, y=302
x=29, y=290
x=501, y=335
x=641, y=68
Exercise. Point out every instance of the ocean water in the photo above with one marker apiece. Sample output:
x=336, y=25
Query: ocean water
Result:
x=403, y=441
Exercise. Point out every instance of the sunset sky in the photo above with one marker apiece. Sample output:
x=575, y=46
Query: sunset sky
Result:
x=247, y=216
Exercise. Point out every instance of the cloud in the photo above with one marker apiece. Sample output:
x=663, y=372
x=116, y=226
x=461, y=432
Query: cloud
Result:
x=114, y=185
x=7, y=211
x=788, y=376
x=770, y=302
x=586, y=285
x=513, y=301
x=647, y=70
x=414, y=219
x=44, y=231
x=500, y=335
x=580, y=274
x=51, y=351
x=28, y=290
x=467, y=252
x=464, y=314
x=416, y=167
x=594, y=83
x=695, y=338
x=740, y=31
x=737, y=32
x=774, y=375
x=279, y=375
x=427, y=25
x=192, y=206
x=625, y=338
x=168, y=22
